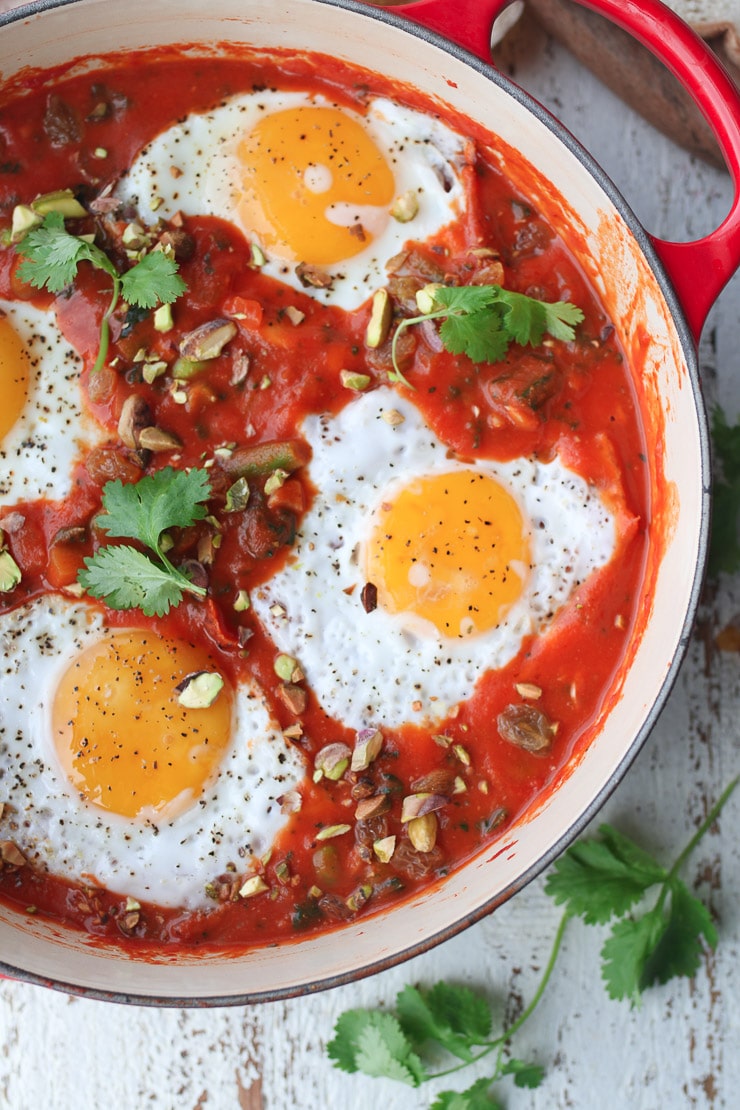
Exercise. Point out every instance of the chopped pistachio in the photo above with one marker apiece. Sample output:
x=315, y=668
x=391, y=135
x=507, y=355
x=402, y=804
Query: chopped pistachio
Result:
x=330, y=831
x=163, y=318
x=132, y=905
x=392, y=417
x=294, y=697
x=10, y=572
x=331, y=762
x=237, y=496
x=265, y=382
x=179, y=396
x=185, y=368
x=282, y=872
x=367, y=748
x=462, y=754
x=24, y=220
x=62, y=201
x=257, y=255
x=357, y=899
x=381, y=315
x=275, y=481
x=135, y=415
x=351, y=379
x=384, y=848
x=242, y=602
x=199, y=690
x=287, y=668
x=315, y=892
x=374, y=806
x=11, y=854
x=207, y=341
x=423, y=832
x=426, y=297
x=153, y=370
x=442, y=740
x=158, y=439
x=420, y=804
x=100, y=152
x=528, y=690
x=134, y=237
x=405, y=207
x=295, y=315
x=459, y=786
x=254, y=885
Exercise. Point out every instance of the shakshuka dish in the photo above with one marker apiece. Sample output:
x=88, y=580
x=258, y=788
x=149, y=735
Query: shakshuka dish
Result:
x=323, y=497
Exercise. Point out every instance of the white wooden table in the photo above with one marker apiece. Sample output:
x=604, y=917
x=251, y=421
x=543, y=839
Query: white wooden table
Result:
x=681, y=1048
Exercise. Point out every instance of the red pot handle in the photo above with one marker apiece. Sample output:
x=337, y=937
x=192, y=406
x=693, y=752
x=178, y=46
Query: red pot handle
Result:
x=700, y=269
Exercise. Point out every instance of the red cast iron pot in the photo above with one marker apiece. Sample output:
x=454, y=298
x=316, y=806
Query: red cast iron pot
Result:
x=658, y=294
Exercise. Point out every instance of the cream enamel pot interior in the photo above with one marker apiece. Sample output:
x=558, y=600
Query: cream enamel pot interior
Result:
x=658, y=295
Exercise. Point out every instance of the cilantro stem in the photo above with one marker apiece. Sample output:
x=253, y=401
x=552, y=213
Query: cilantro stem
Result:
x=104, y=337
x=397, y=374
x=183, y=581
x=706, y=824
x=507, y=1034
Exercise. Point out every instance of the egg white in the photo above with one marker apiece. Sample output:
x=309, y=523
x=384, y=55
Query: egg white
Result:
x=236, y=817
x=372, y=668
x=193, y=168
x=38, y=453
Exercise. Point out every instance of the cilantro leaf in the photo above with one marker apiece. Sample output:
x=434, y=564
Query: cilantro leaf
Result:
x=525, y=1075
x=465, y=299
x=153, y=280
x=525, y=318
x=123, y=576
x=688, y=931
x=481, y=336
x=51, y=255
x=454, y=1016
x=481, y=321
x=625, y=954
x=374, y=1043
x=145, y=509
x=598, y=878
x=126, y=578
x=476, y=1097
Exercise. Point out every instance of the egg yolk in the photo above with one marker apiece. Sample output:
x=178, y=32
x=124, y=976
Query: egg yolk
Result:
x=123, y=738
x=316, y=187
x=14, y=376
x=450, y=549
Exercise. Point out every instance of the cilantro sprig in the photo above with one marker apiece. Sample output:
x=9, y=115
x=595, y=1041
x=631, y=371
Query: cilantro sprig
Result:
x=482, y=321
x=601, y=879
x=51, y=257
x=127, y=578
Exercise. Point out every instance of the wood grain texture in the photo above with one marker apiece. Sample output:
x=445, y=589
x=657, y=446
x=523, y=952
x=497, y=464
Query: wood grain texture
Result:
x=679, y=1051
x=630, y=71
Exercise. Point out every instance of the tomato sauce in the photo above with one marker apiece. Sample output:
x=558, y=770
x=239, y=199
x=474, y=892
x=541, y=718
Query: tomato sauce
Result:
x=575, y=399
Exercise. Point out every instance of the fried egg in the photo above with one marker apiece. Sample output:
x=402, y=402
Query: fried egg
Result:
x=467, y=560
x=309, y=182
x=43, y=425
x=107, y=778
